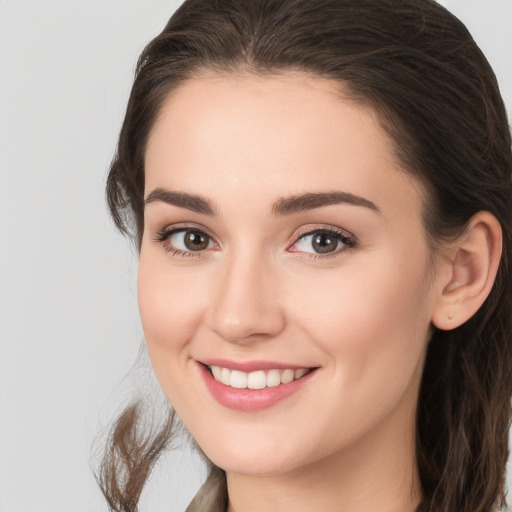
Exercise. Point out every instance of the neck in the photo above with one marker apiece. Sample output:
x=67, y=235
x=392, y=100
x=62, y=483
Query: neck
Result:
x=375, y=474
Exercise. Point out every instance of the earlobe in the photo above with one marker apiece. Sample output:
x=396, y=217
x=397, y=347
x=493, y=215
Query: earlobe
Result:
x=469, y=271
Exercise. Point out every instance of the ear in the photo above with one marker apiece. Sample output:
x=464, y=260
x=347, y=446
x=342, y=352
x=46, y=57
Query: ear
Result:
x=468, y=271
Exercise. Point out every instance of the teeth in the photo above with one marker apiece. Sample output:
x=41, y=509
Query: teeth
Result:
x=217, y=372
x=273, y=378
x=256, y=380
x=238, y=379
x=300, y=373
x=225, y=376
x=287, y=376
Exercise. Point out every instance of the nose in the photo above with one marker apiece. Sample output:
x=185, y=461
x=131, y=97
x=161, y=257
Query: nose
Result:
x=246, y=306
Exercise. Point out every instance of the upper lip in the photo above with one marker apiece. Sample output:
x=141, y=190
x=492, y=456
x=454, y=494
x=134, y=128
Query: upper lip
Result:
x=251, y=366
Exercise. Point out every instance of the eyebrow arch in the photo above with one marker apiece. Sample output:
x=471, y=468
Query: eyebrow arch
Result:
x=191, y=202
x=282, y=207
x=312, y=200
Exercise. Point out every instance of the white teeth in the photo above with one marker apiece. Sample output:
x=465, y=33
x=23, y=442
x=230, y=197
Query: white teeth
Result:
x=238, y=379
x=300, y=373
x=256, y=380
x=273, y=378
x=225, y=376
x=217, y=371
x=287, y=376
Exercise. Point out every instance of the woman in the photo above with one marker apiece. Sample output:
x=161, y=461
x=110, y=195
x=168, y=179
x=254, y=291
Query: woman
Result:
x=320, y=193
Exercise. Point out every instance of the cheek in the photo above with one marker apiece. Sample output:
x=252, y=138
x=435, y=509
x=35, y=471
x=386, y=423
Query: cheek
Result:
x=372, y=319
x=171, y=306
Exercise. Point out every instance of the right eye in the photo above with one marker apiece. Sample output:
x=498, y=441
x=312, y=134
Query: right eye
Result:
x=185, y=242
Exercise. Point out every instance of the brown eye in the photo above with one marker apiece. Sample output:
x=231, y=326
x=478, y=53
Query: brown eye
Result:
x=195, y=240
x=185, y=241
x=324, y=242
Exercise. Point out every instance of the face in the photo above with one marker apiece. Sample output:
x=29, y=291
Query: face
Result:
x=283, y=250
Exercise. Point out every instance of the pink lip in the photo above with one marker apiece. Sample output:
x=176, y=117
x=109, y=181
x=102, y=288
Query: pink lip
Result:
x=250, y=399
x=250, y=366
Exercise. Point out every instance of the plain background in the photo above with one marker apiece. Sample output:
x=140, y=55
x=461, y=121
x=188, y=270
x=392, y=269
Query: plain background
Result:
x=69, y=329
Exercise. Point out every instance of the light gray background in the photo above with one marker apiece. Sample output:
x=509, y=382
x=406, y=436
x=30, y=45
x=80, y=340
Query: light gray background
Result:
x=69, y=329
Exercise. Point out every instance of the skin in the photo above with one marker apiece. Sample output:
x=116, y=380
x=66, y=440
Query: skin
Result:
x=362, y=316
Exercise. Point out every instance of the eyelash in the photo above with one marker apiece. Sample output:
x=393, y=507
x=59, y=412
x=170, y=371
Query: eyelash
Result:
x=163, y=235
x=348, y=241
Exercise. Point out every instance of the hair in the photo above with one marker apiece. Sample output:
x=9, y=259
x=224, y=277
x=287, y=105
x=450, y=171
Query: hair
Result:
x=437, y=97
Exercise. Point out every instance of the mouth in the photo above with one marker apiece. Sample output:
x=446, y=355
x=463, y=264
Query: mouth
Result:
x=262, y=386
x=259, y=379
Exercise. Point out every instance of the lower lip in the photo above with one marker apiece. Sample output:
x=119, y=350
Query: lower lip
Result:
x=250, y=399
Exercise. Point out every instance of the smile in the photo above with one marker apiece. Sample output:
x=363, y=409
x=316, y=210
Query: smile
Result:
x=263, y=385
x=256, y=380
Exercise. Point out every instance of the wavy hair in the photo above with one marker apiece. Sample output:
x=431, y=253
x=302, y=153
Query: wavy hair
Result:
x=418, y=67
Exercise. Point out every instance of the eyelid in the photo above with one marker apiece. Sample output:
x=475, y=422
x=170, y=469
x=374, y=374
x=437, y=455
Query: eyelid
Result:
x=325, y=228
x=348, y=240
x=183, y=226
x=162, y=235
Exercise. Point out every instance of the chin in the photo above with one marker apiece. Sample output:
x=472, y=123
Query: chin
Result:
x=255, y=459
x=254, y=466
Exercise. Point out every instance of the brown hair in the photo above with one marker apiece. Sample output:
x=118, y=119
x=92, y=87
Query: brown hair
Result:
x=419, y=68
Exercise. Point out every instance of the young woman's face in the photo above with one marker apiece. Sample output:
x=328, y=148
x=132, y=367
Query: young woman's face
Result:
x=283, y=250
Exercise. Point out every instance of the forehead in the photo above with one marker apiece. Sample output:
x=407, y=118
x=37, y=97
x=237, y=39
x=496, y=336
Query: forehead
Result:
x=268, y=136
x=258, y=107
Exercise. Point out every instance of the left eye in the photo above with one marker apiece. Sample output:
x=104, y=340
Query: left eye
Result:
x=321, y=242
x=189, y=240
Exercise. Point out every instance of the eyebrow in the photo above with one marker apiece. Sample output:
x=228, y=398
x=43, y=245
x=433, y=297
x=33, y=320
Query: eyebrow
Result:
x=312, y=200
x=191, y=202
x=282, y=207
